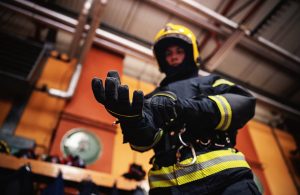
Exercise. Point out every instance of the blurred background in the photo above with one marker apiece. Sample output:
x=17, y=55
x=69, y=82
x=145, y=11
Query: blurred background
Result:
x=51, y=49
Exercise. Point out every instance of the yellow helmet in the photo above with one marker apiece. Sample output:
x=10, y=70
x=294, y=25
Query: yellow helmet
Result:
x=175, y=34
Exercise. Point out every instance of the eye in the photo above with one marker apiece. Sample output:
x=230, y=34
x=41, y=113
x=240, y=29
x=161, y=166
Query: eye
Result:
x=168, y=53
x=180, y=50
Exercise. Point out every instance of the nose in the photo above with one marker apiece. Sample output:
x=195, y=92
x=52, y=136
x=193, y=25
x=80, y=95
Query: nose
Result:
x=174, y=56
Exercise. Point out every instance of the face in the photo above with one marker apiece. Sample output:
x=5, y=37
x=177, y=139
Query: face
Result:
x=174, y=55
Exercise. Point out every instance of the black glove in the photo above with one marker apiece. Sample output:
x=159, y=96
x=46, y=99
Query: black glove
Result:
x=115, y=98
x=165, y=109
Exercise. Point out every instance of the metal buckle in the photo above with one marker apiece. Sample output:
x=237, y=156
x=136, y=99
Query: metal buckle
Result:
x=178, y=154
x=205, y=143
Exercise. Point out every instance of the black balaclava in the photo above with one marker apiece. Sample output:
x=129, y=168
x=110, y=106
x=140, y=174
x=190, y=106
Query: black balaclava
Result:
x=186, y=69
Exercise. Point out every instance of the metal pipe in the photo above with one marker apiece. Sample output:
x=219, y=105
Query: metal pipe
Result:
x=234, y=38
x=42, y=19
x=124, y=42
x=79, y=29
x=125, y=46
x=208, y=59
x=54, y=15
x=76, y=75
x=228, y=7
x=109, y=40
x=278, y=49
x=252, y=11
x=250, y=43
x=239, y=9
x=72, y=86
x=211, y=14
x=224, y=50
x=171, y=7
x=96, y=17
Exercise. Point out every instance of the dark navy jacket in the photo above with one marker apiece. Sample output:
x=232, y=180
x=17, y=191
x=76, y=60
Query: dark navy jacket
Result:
x=212, y=109
x=210, y=104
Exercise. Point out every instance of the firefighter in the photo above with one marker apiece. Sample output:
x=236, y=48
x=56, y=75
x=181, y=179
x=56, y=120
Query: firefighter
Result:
x=190, y=121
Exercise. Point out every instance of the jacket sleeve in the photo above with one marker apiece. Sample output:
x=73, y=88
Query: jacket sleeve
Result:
x=142, y=135
x=226, y=107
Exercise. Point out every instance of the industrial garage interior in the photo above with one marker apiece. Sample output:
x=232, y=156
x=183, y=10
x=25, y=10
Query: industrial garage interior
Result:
x=52, y=127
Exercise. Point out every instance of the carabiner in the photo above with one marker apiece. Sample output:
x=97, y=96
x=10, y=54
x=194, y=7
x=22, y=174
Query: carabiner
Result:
x=178, y=155
x=180, y=138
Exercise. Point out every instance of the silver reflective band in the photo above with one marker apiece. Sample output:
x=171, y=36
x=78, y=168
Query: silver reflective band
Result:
x=196, y=167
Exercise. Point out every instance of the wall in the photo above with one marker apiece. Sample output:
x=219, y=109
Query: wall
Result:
x=245, y=144
x=288, y=144
x=42, y=111
x=5, y=106
x=275, y=169
x=83, y=111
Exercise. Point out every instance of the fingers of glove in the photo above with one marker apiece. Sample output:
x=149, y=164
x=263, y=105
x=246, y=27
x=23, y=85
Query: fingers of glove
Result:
x=123, y=95
x=138, y=101
x=111, y=89
x=114, y=74
x=98, y=90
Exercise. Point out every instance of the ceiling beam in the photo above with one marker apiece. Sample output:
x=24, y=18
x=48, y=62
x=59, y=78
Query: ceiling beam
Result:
x=223, y=51
x=257, y=45
x=127, y=45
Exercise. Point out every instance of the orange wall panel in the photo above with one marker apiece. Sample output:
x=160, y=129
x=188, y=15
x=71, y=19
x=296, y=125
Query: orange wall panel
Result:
x=288, y=144
x=97, y=64
x=245, y=144
x=84, y=111
x=275, y=169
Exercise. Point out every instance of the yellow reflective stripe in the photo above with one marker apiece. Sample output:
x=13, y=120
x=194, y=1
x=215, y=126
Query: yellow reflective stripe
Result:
x=225, y=111
x=206, y=165
x=200, y=159
x=165, y=94
x=156, y=139
x=211, y=170
x=221, y=109
x=200, y=174
x=228, y=107
x=128, y=116
x=222, y=82
x=165, y=183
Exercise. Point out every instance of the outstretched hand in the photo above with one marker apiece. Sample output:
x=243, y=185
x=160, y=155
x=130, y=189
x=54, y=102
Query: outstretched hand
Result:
x=115, y=97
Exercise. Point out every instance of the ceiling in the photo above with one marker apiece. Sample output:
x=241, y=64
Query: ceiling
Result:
x=272, y=73
x=248, y=63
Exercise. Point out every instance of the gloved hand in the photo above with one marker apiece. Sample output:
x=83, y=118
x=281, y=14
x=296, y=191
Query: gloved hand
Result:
x=165, y=109
x=115, y=98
